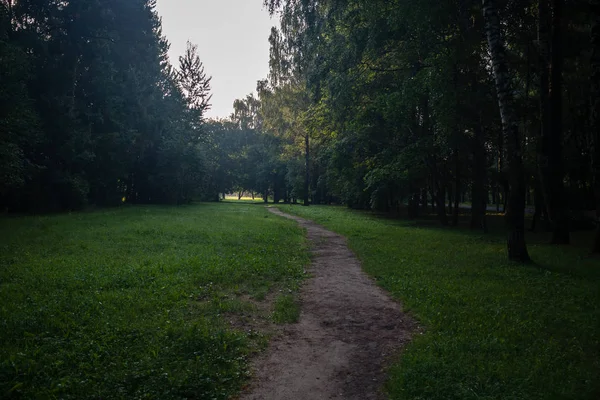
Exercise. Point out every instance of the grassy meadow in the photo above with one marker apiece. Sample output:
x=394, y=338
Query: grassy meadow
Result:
x=137, y=302
x=491, y=329
x=170, y=303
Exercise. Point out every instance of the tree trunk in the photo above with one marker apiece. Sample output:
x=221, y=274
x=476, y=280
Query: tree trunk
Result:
x=550, y=157
x=479, y=195
x=561, y=226
x=515, y=216
x=500, y=193
x=539, y=206
x=413, y=206
x=416, y=200
x=307, y=171
x=545, y=110
x=441, y=204
x=432, y=192
x=506, y=194
x=595, y=116
x=450, y=196
x=457, y=189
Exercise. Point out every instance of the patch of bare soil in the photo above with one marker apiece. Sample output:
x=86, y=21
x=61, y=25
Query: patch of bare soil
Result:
x=348, y=328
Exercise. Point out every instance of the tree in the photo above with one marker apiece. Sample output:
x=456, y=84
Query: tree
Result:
x=550, y=157
x=515, y=217
x=193, y=81
x=595, y=115
x=246, y=113
x=19, y=126
x=92, y=111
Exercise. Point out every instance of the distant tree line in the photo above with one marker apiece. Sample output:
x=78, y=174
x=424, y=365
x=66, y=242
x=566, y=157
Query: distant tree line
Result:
x=424, y=105
x=92, y=112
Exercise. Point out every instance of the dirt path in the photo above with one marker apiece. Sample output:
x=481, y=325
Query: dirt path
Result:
x=347, y=329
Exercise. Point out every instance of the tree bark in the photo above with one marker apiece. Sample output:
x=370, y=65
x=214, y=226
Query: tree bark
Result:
x=561, y=227
x=457, y=189
x=515, y=215
x=450, y=196
x=538, y=200
x=307, y=171
x=441, y=204
x=550, y=156
x=479, y=195
x=413, y=205
x=276, y=193
x=595, y=116
x=500, y=192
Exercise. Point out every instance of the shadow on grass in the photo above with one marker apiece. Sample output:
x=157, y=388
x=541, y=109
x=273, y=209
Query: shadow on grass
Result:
x=573, y=260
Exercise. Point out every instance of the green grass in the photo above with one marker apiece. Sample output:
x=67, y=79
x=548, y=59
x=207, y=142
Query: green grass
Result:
x=287, y=309
x=135, y=302
x=492, y=329
x=234, y=199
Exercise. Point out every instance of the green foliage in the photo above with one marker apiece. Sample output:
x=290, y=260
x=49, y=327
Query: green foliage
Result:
x=247, y=156
x=90, y=109
x=491, y=329
x=136, y=302
x=18, y=122
x=402, y=105
x=193, y=82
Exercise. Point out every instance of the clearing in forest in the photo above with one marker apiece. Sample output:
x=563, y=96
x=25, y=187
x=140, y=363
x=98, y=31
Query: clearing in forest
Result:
x=347, y=329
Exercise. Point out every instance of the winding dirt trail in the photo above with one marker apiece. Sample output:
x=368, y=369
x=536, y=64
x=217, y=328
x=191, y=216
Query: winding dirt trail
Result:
x=348, y=328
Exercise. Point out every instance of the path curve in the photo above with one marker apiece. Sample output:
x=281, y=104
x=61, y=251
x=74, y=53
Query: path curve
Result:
x=347, y=330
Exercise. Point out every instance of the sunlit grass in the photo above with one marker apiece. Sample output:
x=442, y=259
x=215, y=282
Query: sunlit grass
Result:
x=492, y=329
x=135, y=302
x=245, y=199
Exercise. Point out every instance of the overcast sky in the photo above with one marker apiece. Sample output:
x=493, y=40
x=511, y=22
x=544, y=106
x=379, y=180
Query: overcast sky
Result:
x=232, y=38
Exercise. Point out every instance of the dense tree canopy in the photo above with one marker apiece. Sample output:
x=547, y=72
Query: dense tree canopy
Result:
x=394, y=103
x=387, y=105
x=91, y=109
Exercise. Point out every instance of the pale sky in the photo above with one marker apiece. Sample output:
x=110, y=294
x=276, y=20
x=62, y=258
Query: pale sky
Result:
x=233, y=43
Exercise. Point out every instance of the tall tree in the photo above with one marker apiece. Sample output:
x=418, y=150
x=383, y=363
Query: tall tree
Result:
x=91, y=110
x=19, y=125
x=193, y=81
x=550, y=158
x=515, y=216
x=595, y=115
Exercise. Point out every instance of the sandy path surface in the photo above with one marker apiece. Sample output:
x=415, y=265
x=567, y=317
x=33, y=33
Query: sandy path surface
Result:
x=347, y=330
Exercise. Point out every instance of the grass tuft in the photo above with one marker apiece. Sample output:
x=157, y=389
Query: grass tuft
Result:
x=286, y=310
